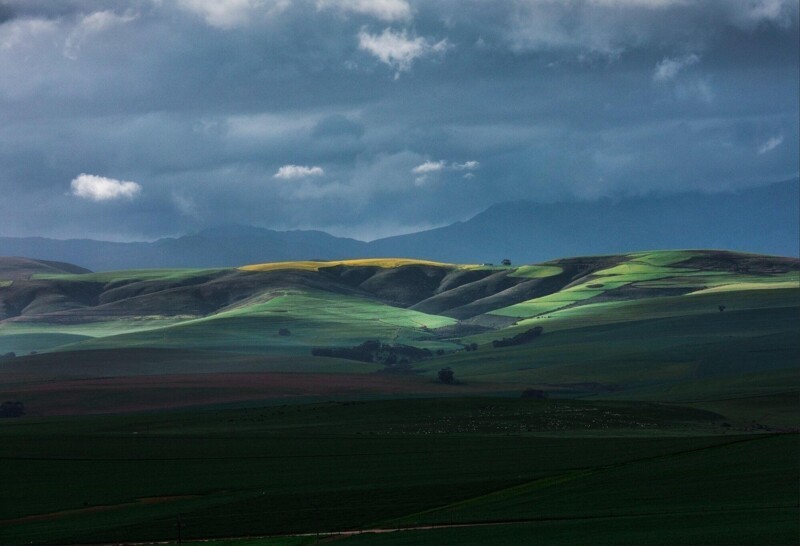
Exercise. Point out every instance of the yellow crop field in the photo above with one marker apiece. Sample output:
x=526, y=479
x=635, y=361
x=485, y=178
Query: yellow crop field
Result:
x=368, y=262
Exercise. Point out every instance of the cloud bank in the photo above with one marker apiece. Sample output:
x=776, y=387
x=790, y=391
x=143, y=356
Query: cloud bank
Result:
x=317, y=113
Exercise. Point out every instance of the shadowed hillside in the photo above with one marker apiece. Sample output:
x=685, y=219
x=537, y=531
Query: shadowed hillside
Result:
x=14, y=268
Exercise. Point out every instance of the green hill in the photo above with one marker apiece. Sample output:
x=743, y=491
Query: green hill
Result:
x=669, y=325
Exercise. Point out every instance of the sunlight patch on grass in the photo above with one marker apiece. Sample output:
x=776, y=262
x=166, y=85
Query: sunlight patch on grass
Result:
x=741, y=286
x=536, y=271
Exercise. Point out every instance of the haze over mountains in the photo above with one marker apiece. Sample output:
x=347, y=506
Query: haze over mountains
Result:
x=763, y=220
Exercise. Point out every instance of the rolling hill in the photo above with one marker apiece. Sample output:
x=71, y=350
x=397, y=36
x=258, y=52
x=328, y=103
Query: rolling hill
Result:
x=649, y=325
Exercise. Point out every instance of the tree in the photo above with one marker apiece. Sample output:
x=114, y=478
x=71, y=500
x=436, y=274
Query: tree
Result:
x=446, y=376
x=506, y=262
x=721, y=308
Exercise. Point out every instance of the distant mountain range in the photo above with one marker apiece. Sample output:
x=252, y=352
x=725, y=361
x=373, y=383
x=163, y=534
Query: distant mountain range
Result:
x=762, y=220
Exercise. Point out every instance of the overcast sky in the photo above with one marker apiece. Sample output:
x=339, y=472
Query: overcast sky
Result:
x=135, y=119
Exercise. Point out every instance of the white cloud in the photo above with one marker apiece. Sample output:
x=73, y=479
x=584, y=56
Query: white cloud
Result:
x=100, y=188
x=466, y=166
x=383, y=174
x=667, y=69
x=430, y=167
x=397, y=49
x=228, y=14
x=289, y=172
x=385, y=10
x=770, y=144
x=91, y=24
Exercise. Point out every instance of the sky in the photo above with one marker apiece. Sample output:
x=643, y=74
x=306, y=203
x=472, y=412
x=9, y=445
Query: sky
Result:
x=137, y=119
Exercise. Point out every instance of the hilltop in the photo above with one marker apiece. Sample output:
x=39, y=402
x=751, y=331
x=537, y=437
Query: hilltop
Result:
x=13, y=268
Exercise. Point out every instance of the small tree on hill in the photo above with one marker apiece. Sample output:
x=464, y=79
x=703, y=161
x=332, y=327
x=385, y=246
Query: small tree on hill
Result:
x=446, y=376
x=506, y=262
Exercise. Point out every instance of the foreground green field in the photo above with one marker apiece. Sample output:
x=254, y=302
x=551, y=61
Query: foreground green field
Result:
x=520, y=469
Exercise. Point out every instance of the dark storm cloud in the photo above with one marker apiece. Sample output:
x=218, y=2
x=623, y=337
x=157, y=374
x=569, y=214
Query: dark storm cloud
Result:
x=201, y=102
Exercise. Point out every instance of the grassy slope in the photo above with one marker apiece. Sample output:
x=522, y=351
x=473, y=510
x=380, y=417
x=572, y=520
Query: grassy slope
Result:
x=130, y=275
x=313, y=318
x=654, y=357
x=24, y=337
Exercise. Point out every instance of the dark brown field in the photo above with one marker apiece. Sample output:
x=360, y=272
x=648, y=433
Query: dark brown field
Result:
x=145, y=393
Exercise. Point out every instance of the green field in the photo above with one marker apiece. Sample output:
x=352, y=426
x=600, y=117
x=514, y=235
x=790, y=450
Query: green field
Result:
x=313, y=319
x=343, y=466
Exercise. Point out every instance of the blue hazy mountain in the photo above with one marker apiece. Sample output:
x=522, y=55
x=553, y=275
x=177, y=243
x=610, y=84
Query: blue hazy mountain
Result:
x=763, y=220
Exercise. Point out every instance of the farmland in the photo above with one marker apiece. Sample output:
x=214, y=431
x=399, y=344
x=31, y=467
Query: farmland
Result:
x=277, y=470
x=290, y=399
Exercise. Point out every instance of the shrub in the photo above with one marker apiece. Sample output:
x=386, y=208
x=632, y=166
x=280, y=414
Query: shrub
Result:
x=446, y=376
